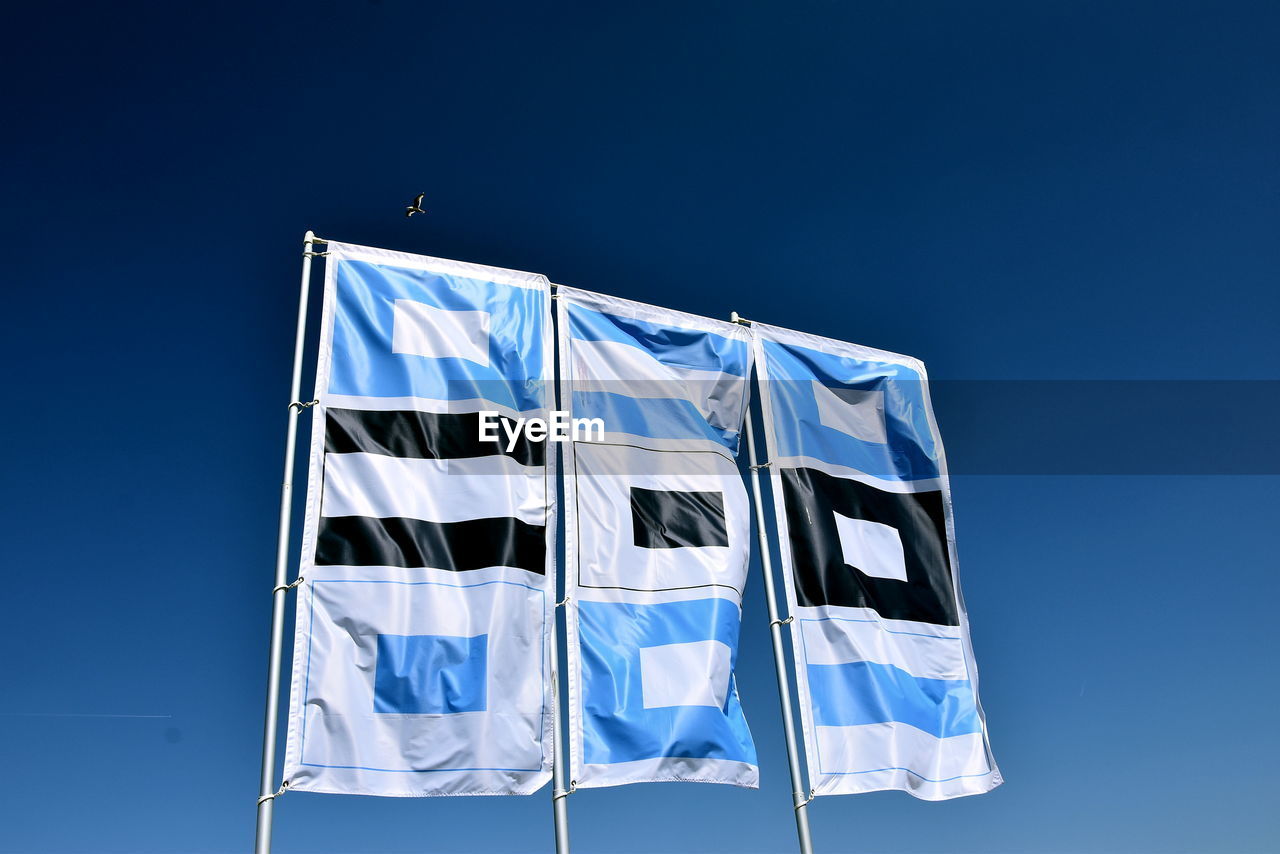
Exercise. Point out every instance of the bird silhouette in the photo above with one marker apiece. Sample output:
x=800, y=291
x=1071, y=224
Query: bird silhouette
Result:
x=416, y=207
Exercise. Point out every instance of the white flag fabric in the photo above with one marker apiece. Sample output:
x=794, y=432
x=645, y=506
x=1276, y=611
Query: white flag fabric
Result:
x=421, y=651
x=887, y=681
x=656, y=543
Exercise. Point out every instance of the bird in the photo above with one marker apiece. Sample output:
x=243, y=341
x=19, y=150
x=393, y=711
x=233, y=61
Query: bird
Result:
x=416, y=207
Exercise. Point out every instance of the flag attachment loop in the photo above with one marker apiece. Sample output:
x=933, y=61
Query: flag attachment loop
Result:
x=773, y=623
x=303, y=404
x=812, y=793
x=734, y=317
x=314, y=239
x=564, y=793
x=315, y=254
x=564, y=601
x=761, y=466
x=277, y=793
x=279, y=587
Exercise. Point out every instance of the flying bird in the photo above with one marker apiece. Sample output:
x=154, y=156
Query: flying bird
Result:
x=416, y=207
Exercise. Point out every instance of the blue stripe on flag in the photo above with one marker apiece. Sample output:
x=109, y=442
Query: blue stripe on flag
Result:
x=911, y=453
x=363, y=323
x=671, y=345
x=657, y=418
x=863, y=692
x=616, y=725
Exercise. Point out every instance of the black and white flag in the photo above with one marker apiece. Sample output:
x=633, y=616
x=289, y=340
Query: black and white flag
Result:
x=421, y=653
x=887, y=681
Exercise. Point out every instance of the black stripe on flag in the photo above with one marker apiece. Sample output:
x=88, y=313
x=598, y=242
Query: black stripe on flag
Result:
x=672, y=520
x=413, y=543
x=421, y=436
x=821, y=575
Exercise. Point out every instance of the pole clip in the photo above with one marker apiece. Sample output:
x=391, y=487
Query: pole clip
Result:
x=564, y=793
x=806, y=801
x=564, y=601
x=277, y=793
x=773, y=623
x=734, y=317
x=761, y=466
x=287, y=587
x=314, y=240
x=301, y=404
x=310, y=254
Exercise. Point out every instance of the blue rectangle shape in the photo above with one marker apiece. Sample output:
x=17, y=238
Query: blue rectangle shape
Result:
x=430, y=675
x=863, y=692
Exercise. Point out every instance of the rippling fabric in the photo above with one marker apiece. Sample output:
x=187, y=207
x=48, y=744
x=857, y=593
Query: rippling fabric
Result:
x=887, y=681
x=657, y=542
x=421, y=660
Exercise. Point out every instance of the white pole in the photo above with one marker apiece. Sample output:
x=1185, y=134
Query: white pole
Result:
x=798, y=797
x=267, y=787
x=559, y=794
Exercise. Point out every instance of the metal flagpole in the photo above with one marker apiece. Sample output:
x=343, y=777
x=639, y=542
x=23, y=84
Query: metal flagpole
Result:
x=266, y=792
x=799, y=799
x=559, y=794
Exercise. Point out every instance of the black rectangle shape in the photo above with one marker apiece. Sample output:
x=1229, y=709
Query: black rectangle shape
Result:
x=822, y=577
x=421, y=436
x=669, y=520
x=413, y=543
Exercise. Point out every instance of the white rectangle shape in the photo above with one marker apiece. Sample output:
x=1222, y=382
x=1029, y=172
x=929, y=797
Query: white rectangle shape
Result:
x=608, y=555
x=860, y=413
x=685, y=674
x=340, y=742
x=419, y=329
x=872, y=547
x=433, y=490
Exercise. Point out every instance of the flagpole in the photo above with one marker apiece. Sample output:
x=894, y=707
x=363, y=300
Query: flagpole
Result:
x=798, y=797
x=266, y=789
x=559, y=794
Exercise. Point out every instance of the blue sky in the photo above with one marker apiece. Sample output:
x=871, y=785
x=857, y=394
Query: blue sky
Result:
x=1009, y=191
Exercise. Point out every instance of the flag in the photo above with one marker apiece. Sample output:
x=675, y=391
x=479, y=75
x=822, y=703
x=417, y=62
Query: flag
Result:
x=420, y=654
x=887, y=682
x=656, y=543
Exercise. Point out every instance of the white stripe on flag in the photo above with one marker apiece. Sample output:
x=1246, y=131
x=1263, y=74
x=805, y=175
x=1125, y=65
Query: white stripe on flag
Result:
x=433, y=490
x=927, y=766
x=838, y=641
x=611, y=366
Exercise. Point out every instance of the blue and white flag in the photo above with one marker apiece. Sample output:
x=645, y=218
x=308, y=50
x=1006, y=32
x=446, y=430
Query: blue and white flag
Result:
x=887, y=681
x=656, y=543
x=421, y=652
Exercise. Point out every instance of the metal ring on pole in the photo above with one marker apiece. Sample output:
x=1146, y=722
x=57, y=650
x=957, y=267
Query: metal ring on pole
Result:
x=563, y=602
x=303, y=404
x=573, y=787
x=773, y=623
x=807, y=801
x=315, y=254
x=279, y=587
x=762, y=466
x=277, y=793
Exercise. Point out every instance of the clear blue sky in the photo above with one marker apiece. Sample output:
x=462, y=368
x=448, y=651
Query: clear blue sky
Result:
x=1030, y=191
